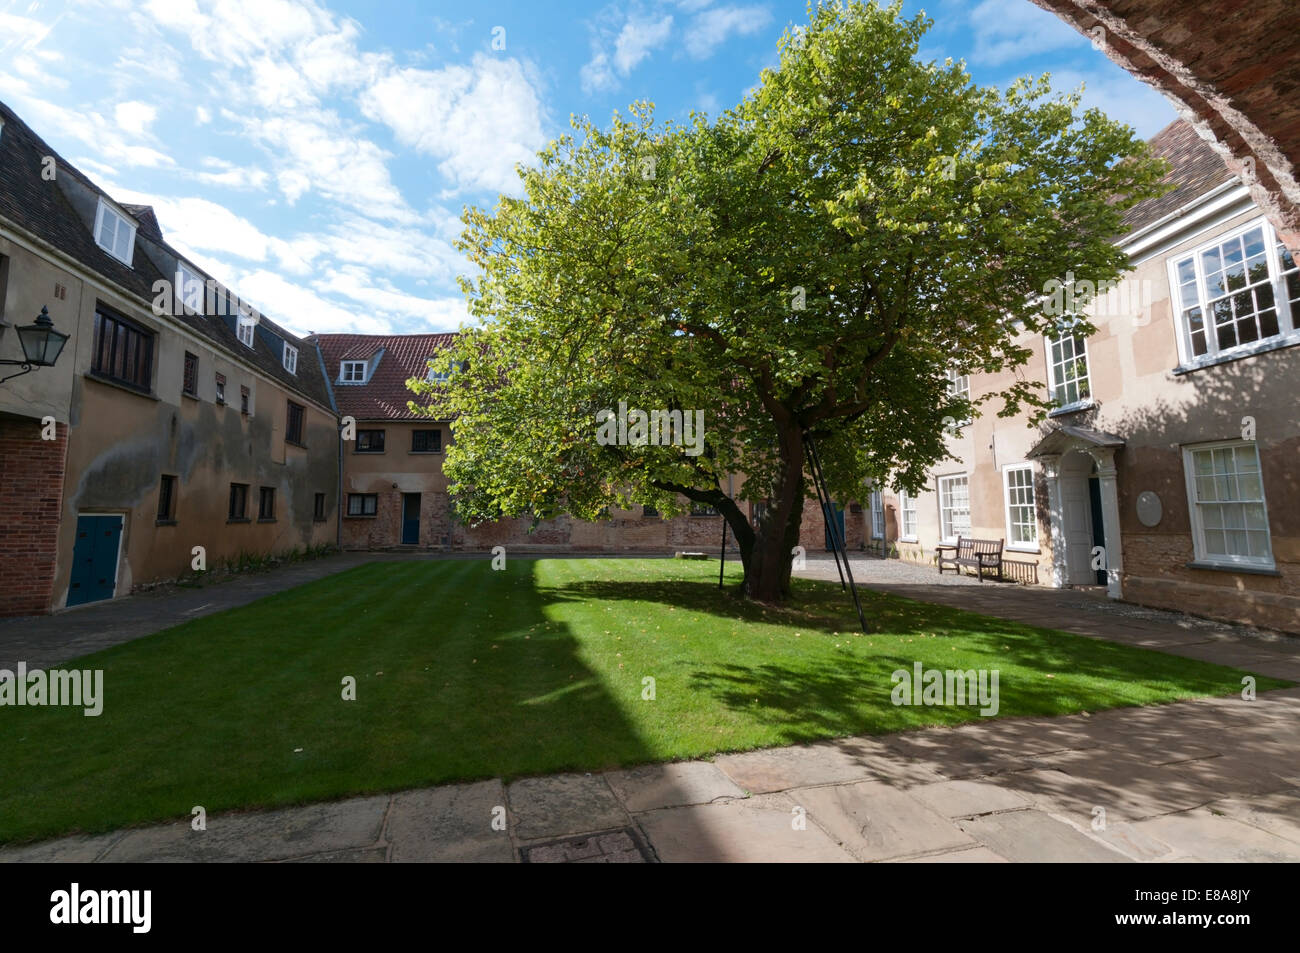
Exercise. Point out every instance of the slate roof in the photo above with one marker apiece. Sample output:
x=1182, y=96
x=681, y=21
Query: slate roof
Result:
x=384, y=396
x=43, y=209
x=1196, y=170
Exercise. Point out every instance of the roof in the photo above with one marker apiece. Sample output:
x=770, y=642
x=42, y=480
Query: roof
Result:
x=1196, y=169
x=1068, y=437
x=384, y=395
x=45, y=209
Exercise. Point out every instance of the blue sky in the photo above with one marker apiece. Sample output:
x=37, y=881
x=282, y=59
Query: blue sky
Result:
x=315, y=156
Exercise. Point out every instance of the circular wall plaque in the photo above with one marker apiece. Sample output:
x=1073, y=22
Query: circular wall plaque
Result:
x=1149, y=509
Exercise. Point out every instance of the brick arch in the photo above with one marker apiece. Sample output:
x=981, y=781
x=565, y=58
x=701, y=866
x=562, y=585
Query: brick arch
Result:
x=1231, y=68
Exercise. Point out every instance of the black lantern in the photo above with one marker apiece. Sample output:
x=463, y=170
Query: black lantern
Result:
x=41, y=344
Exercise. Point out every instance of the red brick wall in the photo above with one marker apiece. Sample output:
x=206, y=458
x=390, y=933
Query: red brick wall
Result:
x=31, y=493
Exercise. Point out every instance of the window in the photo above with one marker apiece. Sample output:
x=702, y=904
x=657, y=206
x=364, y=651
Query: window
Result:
x=189, y=288
x=425, y=441
x=954, y=507
x=266, y=504
x=1234, y=292
x=243, y=400
x=959, y=386
x=757, y=512
x=190, y=382
x=238, y=501
x=114, y=233
x=649, y=512
x=290, y=358
x=352, y=372
x=703, y=509
x=877, y=516
x=167, y=499
x=123, y=351
x=1067, y=369
x=907, y=511
x=293, y=426
x=244, y=326
x=221, y=388
x=1226, y=492
x=444, y=375
x=1022, y=514
x=362, y=504
x=318, y=508
x=370, y=441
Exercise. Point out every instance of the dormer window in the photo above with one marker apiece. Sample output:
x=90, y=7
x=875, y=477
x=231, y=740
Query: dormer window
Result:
x=352, y=372
x=290, y=359
x=244, y=328
x=189, y=288
x=114, y=233
x=438, y=376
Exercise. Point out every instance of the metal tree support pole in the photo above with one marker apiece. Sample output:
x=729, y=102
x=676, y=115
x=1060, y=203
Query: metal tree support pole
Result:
x=828, y=513
x=836, y=537
x=722, y=558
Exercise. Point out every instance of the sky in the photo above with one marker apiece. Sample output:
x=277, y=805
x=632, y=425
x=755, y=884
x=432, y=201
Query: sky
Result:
x=316, y=155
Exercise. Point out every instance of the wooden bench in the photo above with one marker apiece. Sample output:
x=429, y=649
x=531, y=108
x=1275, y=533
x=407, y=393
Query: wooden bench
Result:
x=978, y=554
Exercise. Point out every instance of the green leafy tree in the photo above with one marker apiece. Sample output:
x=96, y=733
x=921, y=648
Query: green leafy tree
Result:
x=810, y=264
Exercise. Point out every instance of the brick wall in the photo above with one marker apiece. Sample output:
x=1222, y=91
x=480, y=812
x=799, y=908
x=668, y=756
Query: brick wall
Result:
x=31, y=491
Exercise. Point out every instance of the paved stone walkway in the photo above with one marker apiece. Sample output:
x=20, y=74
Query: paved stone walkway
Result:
x=1214, y=780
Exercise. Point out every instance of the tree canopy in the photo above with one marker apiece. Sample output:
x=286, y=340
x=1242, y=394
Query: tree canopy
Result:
x=814, y=261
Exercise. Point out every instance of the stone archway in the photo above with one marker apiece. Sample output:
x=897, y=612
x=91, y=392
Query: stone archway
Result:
x=1231, y=70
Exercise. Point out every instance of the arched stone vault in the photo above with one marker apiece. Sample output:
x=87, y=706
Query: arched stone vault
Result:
x=1231, y=68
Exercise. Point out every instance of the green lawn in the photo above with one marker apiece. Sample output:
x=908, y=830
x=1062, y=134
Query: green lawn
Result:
x=467, y=673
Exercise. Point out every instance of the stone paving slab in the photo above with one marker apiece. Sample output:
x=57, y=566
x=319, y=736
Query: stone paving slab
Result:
x=972, y=855
x=563, y=804
x=1214, y=838
x=260, y=836
x=874, y=821
x=967, y=798
x=78, y=849
x=758, y=829
x=779, y=769
x=671, y=785
x=450, y=824
x=1034, y=837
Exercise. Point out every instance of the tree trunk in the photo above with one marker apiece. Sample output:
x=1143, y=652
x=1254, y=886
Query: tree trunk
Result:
x=767, y=571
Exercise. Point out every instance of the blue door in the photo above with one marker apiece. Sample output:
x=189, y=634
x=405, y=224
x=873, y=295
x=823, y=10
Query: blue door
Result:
x=834, y=518
x=410, y=519
x=94, y=559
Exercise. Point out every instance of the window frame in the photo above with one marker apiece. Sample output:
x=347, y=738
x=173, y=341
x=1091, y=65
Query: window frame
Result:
x=1287, y=320
x=427, y=430
x=190, y=375
x=105, y=315
x=183, y=275
x=219, y=386
x=906, y=504
x=1081, y=346
x=363, y=497
x=242, y=495
x=245, y=400
x=876, y=504
x=122, y=219
x=1010, y=542
x=939, y=493
x=318, y=508
x=343, y=372
x=289, y=365
x=265, y=513
x=1196, y=518
x=293, y=434
x=243, y=324
x=167, y=498
x=383, y=440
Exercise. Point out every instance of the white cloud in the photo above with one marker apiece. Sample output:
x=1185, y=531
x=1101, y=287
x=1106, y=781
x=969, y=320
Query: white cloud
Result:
x=135, y=117
x=1006, y=30
x=710, y=29
x=638, y=38
x=617, y=49
x=1121, y=97
x=202, y=116
x=479, y=120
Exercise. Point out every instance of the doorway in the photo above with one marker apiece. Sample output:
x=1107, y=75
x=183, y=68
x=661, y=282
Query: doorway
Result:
x=410, y=519
x=1080, y=518
x=94, y=558
x=834, y=519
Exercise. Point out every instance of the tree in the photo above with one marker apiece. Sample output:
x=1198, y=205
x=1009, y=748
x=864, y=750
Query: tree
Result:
x=810, y=264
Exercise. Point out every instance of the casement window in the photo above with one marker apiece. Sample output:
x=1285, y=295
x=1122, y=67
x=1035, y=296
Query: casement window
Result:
x=123, y=351
x=244, y=328
x=959, y=386
x=425, y=441
x=907, y=516
x=444, y=375
x=290, y=359
x=266, y=503
x=1022, y=513
x=293, y=423
x=352, y=372
x=190, y=381
x=877, y=516
x=238, y=501
x=318, y=508
x=649, y=512
x=954, y=507
x=114, y=233
x=703, y=509
x=1236, y=295
x=1067, y=370
x=370, y=441
x=243, y=400
x=363, y=504
x=221, y=388
x=189, y=288
x=167, y=498
x=1225, y=491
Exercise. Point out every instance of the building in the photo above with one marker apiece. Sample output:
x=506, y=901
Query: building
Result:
x=1167, y=470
